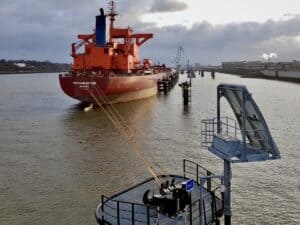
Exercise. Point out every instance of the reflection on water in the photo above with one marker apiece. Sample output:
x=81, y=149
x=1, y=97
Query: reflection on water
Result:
x=56, y=160
x=186, y=109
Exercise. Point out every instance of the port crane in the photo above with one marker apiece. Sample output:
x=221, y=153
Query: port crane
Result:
x=178, y=59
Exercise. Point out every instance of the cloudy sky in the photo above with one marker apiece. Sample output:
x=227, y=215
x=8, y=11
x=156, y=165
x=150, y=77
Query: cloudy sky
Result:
x=210, y=31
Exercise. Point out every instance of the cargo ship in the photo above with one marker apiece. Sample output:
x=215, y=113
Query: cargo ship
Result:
x=110, y=70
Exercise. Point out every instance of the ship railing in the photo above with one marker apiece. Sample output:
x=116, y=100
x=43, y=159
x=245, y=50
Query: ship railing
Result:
x=205, y=211
x=192, y=170
x=121, y=212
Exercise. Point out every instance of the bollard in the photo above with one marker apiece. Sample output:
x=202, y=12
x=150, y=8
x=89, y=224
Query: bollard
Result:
x=185, y=95
x=202, y=73
x=213, y=74
x=169, y=83
x=165, y=86
x=186, y=92
x=159, y=86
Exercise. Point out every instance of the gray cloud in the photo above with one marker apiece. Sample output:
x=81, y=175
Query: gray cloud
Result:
x=44, y=30
x=131, y=12
x=168, y=6
x=207, y=43
x=291, y=15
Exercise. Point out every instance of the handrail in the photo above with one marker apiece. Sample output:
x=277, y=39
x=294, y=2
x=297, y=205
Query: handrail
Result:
x=228, y=127
x=227, y=124
x=121, y=201
x=196, y=164
x=195, y=173
x=131, y=212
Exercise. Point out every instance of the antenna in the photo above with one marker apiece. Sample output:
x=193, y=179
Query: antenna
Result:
x=112, y=12
x=179, y=57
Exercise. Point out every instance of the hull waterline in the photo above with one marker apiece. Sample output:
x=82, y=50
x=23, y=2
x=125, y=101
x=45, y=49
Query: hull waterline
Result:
x=114, y=89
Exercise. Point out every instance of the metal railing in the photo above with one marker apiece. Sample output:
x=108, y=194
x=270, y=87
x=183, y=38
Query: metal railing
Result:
x=256, y=138
x=192, y=170
x=209, y=127
x=203, y=210
x=122, y=212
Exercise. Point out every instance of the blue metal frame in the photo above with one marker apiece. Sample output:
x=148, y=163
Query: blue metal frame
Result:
x=261, y=145
x=242, y=152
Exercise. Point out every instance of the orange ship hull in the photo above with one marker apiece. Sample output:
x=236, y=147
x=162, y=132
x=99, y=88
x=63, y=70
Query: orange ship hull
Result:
x=110, y=89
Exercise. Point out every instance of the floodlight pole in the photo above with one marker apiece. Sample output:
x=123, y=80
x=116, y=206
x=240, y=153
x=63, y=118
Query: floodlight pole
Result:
x=243, y=126
x=219, y=95
x=227, y=169
x=227, y=193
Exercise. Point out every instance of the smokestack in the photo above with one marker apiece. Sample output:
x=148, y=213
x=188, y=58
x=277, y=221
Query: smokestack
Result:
x=101, y=29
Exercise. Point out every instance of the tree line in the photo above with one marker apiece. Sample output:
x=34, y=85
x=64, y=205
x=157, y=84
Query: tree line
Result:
x=31, y=66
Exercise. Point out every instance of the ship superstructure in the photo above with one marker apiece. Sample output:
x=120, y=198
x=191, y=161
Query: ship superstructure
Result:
x=120, y=53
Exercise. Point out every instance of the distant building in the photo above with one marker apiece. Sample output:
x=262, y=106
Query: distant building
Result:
x=197, y=66
x=21, y=65
x=243, y=65
x=252, y=66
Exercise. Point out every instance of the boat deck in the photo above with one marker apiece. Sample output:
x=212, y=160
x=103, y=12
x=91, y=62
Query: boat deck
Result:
x=127, y=207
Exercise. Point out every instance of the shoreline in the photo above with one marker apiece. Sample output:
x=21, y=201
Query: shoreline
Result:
x=260, y=76
x=29, y=72
x=250, y=76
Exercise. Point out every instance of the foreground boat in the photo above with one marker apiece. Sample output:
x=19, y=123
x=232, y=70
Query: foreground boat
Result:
x=198, y=197
x=146, y=204
x=111, y=71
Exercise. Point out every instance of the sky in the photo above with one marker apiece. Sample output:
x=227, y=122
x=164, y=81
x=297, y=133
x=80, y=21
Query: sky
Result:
x=209, y=31
x=227, y=11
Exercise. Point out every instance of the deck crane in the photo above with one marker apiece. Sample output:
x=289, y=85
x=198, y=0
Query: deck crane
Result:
x=83, y=39
x=179, y=57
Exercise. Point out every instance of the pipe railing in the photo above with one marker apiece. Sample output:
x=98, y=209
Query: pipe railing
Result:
x=121, y=210
x=228, y=127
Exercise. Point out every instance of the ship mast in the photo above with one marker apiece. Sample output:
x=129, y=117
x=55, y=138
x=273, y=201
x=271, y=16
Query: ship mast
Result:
x=112, y=14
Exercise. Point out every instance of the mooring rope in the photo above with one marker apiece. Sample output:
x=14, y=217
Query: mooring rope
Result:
x=129, y=130
x=121, y=121
x=116, y=119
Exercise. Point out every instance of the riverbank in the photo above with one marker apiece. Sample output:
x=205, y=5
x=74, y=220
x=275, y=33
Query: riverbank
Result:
x=31, y=66
x=29, y=72
x=259, y=75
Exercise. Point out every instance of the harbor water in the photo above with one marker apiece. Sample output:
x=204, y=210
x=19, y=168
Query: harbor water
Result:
x=56, y=160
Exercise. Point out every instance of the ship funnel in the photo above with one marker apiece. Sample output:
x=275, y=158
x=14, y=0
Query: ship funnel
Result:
x=101, y=12
x=101, y=29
